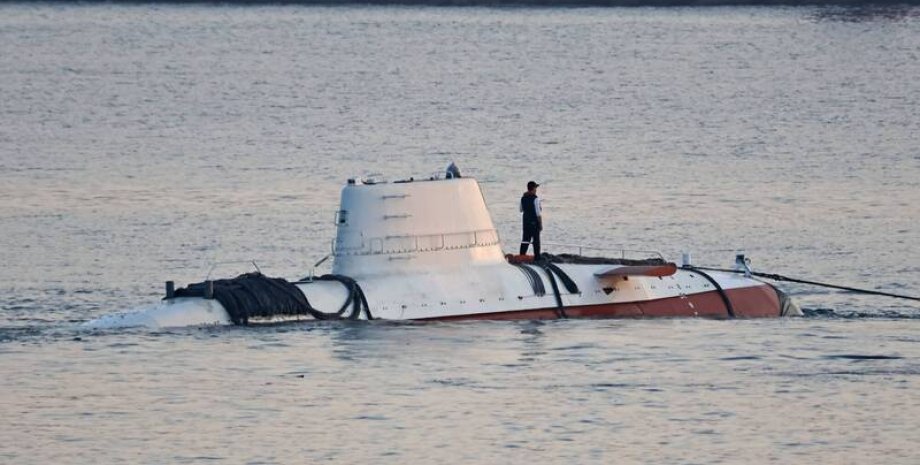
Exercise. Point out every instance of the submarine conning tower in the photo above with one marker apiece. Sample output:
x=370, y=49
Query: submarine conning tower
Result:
x=413, y=226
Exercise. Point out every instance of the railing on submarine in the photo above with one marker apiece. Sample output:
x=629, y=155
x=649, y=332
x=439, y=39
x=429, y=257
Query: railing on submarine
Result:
x=478, y=238
x=404, y=243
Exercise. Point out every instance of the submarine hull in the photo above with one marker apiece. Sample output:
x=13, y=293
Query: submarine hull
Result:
x=501, y=293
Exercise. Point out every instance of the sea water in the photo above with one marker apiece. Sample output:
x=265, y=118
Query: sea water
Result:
x=140, y=144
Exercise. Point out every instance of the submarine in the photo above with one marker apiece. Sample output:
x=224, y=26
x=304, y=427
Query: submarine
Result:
x=427, y=249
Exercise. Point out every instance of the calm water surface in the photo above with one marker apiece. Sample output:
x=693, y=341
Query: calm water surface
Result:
x=139, y=144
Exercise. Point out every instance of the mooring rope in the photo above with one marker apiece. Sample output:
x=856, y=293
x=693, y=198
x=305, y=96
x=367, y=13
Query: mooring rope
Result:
x=256, y=295
x=560, y=308
x=779, y=277
x=729, y=308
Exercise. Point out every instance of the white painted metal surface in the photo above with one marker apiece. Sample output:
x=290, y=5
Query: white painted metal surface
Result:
x=411, y=227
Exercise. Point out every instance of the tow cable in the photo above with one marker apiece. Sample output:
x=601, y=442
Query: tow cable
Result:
x=779, y=277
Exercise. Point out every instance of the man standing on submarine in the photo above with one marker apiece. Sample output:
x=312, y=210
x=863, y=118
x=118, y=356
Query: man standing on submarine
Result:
x=532, y=220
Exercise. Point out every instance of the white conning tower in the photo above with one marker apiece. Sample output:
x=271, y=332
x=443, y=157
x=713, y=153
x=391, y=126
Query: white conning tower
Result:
x=413, y=226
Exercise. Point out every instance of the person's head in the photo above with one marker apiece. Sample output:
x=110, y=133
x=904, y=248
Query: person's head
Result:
x=532, y=187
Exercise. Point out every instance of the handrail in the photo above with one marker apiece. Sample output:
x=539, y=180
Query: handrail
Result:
x=313, y=268
x=622, y=251
x=478, y=240
x=230, y=262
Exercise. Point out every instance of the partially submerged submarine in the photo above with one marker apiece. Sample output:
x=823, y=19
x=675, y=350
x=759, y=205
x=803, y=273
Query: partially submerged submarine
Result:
x=428, y=250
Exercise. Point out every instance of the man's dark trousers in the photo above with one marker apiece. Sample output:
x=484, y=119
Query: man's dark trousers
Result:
x=531, y=234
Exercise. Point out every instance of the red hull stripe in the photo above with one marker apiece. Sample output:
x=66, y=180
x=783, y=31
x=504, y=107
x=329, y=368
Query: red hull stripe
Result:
x=748, y=302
